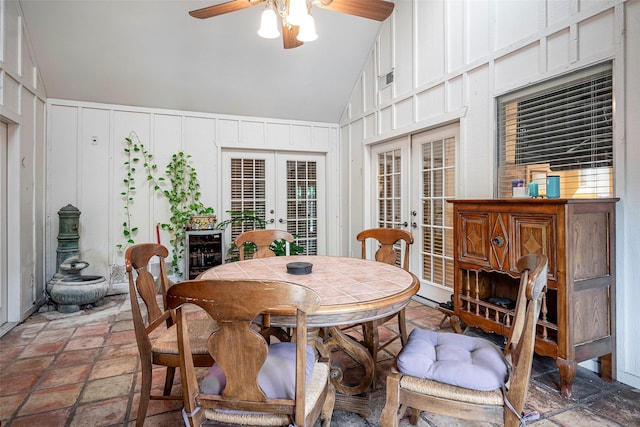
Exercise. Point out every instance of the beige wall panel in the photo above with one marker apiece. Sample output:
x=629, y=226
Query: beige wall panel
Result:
x=430, y=49
x=252, y=133
x=403, y=47
x=385, y=47
x=517, y=68
x=430, y=103
x=28, y=252
x=370, y=85
x=356, y=104
x=12, y=32
x=558, y=50
x=558, y=10
x=517, y=20
x=454, y=94
x=403, y=113
x=29, y=71
x=63, y=162
x=228, y=132
x=596, y=35
x=385, y=120
x=385, y=94
x=94, y=170
x=40, y=189
x=11, y=94
x=476, y=165
x=301, y=136
x=344, y=208
x=167, y=140
x=629, y=148
x=199, y=137
x=455, y=34
x=322, y=137
x=356, y=201
x=278, y=135
x=370, y=125
x=478, y=24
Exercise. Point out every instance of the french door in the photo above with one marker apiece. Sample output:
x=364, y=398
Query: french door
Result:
x=413, y=178
x=285, y=190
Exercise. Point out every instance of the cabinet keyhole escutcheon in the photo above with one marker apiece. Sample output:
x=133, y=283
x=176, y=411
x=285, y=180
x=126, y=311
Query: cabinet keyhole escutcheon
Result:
x=498, y=241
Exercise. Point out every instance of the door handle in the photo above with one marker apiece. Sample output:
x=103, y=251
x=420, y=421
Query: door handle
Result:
x=271, y=221
x=404, y=224
x=414, y=225
x=282, y=221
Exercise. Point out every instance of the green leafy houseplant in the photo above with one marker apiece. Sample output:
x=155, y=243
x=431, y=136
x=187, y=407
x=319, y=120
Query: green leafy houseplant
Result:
x=249, y=220
x=183, y=194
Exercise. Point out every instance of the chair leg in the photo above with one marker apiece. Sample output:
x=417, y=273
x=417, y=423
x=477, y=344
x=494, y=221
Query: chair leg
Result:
x=168, y=381
x=145, y=391
x=402, y=326
x=327, y=408
x=389, y=416
x=414, y=414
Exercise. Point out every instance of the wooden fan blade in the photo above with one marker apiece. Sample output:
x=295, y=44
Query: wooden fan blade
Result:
x=221, y=9
x=289, y=36
x=378, y=10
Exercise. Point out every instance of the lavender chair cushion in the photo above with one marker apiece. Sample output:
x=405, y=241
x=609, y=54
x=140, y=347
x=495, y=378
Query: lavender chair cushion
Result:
x=277, y=377
x=459, y=360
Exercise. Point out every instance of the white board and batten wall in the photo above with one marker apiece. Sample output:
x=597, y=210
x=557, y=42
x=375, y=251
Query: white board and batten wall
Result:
x=450, y=61
x=86, y=167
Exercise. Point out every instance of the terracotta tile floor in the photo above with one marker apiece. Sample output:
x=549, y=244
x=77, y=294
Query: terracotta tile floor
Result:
x=81, y=369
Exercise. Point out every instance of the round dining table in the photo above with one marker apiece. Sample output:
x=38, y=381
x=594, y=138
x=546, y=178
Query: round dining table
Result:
x=352, y=291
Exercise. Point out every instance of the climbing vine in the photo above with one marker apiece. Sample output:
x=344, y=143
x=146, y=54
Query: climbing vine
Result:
x=182, y=192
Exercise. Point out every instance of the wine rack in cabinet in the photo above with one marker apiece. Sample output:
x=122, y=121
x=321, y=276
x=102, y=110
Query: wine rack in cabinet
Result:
x=577, y=320
x=203, y=249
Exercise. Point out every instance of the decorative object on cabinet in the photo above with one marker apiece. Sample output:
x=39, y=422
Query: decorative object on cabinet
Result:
x=577, y=320
x=203, y=249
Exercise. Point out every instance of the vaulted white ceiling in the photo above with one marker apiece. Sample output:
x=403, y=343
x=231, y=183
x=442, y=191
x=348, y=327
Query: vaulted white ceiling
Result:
x=151, y=53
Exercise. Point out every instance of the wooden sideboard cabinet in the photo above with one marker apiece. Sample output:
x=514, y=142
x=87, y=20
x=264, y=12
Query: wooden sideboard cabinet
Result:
x=577, y=320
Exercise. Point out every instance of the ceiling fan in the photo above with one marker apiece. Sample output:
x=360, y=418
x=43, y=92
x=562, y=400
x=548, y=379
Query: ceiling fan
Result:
x=296, y=31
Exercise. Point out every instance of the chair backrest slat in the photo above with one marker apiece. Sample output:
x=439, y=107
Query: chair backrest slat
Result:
x=533, y=280
x=236, y=346
x=262, y=239
x=386, y=238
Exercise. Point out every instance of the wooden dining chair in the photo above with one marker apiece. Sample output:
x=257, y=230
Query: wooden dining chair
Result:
x=155, y=330
x=263, y=240
x=468, y=377
x=386, y=252
x=252, y=382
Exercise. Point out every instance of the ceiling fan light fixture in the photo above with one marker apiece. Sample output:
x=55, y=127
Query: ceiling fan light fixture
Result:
x=307, y=31
x=269, y=24
x=297, y=12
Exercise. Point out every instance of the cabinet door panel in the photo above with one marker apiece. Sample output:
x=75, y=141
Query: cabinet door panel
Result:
x=535, y=235
x=473, y=243
x=500, y=242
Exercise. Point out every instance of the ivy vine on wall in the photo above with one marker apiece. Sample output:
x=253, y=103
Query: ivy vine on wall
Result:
x=179, y=185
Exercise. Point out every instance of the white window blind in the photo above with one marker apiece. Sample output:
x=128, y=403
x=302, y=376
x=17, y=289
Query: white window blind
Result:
x=564, y=128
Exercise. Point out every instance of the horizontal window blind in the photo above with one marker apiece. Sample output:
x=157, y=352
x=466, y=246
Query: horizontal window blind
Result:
x=563, y=129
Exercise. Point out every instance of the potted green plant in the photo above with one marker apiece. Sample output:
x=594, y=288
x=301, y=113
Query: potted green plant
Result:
x=250, y=220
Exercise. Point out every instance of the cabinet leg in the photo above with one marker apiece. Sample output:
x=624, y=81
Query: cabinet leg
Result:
x=567, y=370
x=607, y=367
